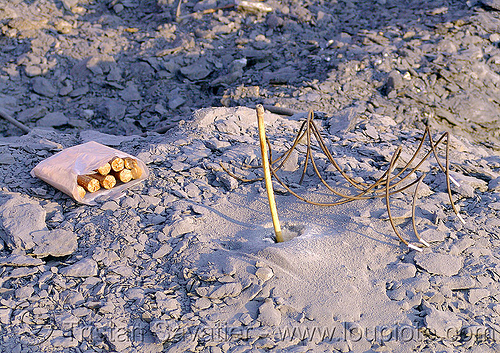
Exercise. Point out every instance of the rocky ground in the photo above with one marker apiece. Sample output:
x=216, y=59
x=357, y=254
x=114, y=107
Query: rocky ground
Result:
x=128, y=67
x=184, y=261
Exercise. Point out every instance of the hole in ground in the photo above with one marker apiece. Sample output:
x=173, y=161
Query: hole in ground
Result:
x=290, y=230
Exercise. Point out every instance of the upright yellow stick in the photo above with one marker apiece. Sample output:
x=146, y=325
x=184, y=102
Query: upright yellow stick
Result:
x=267, y=173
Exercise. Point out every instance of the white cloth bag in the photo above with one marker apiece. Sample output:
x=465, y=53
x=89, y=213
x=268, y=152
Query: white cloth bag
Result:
x=62, y=169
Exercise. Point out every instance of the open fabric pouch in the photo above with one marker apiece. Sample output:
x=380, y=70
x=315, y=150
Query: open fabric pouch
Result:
x=63, y=169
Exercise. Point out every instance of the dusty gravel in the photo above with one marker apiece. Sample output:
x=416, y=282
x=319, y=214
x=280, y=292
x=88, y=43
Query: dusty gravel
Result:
x=128, y=66
x=184, y=261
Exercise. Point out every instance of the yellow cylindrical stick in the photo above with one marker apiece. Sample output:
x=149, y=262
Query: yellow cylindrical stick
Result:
x=129, y=163
x=105, y=169
x=106, y=181
x=123, y=175
x=133, y=166
x=117, y=164
x=90, y=184
x=267, y=173
x=81, y=191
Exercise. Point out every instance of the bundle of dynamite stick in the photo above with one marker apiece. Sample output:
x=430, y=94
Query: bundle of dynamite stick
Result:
x=91, y=170
x=116, y=170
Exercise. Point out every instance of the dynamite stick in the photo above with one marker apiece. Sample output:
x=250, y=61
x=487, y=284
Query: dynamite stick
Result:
x=133, y=166
x=124, y=175
x=106, y=181
x=117, y=164
x=129, y=163
x=105, y=169
x=81, y=191
x=136, y=172
x=90, y=184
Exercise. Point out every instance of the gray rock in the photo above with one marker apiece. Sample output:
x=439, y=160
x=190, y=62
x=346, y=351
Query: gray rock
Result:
x=110, y=206
x=494, y=206
x=162, y=251
x=65, y=90
x=33, y=70
x=178, y=166
x=112, y=109
x=441, y=323
x=461, y=244
x=24, y=292
x=397, y=294
x=246, y=319
x=32, y=114
x=235, y=72
x=398, y=211
x=7, y=158
x=74, y=298
x=175, y=101
x=121, y=342
x=20, y=216
x=192, y=190
x=455, y=282
x=20, y=260
x=400, y=271
x=433, y=235
x=344, y=120
x=394, y=82
x=447, y=46
x=9, y=104
x=5, y=314
x=166, y=303
x=131, y=93
x=105, y=139
x=124, y=271
x=274, y=21
x=115, y=74
x=23, y=272
x=227, y=79
x=79, y=91
x=164, y=330
x=69, y=4
x=292, y=163
x=439, y=264
x=197, y=71
x=494, y=4
x=216, y=144
x=372, y=132
x=160, y=109
x=135, y=294
x=264, y=273
x=100, y=64
x=64, y=342
x=226, y=290
x=476, y=294
x=202, y=303
x=205, y=5
x=281, y=76
x=420, y=283
x=268, y=314
x=44, y=87
x=227, y=181
x=494, y=184
x=473, y=182
x=179, y=228
x=53, y=119
x=83, y=268
x=56, y=242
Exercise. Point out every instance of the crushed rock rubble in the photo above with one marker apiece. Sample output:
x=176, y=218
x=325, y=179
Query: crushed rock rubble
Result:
x=145, y=267
x=107, y=66
x=184, y=262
